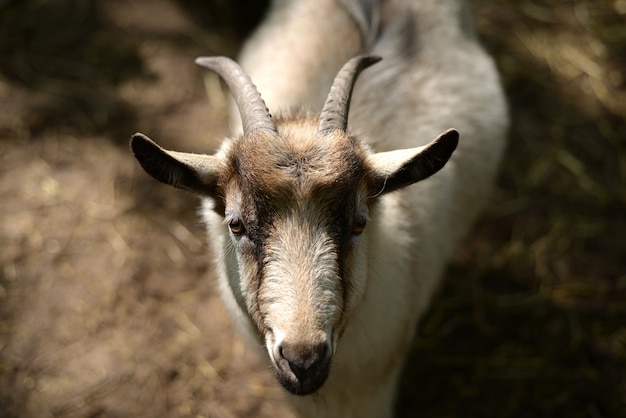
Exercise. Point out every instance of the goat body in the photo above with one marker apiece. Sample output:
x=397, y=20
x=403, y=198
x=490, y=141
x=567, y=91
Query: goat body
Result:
x=323, y=252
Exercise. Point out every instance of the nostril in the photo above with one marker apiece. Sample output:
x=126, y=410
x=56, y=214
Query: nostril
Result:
x=297, y=370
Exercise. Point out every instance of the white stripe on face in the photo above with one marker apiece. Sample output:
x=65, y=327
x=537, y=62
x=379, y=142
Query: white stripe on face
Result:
x=301, y=294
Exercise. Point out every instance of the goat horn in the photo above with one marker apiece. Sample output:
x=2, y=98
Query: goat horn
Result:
x=254, y=113
x=335, y=112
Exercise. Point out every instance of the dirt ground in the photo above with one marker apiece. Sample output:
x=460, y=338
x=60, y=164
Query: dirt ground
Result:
x=107, y=304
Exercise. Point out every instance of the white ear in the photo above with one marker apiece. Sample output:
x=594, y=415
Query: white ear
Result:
x=195, y=172
x=396, y=169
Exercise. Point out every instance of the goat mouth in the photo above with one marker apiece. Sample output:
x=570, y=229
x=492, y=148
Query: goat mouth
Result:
x=301, y=382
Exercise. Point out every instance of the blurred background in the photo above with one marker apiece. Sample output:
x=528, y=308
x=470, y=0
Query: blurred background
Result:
x=107, y=306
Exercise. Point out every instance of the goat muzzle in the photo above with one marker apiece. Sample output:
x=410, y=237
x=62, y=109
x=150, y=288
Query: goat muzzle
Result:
x=302, y=368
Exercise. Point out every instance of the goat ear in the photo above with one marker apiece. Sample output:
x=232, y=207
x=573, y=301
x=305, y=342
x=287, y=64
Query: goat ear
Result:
x=194, y=172
x=396, y=169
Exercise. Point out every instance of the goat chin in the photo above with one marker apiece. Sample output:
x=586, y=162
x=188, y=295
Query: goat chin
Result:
x=330, y=238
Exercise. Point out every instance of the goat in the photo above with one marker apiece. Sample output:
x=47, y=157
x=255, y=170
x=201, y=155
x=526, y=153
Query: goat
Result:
x=322, y=250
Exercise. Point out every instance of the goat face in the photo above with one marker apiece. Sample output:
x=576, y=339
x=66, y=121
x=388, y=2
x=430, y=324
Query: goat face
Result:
x=295, y=206
x=295, y=195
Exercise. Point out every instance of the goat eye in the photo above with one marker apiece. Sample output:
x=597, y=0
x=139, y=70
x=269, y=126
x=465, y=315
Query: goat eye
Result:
x=359, y=225
x=236, y=227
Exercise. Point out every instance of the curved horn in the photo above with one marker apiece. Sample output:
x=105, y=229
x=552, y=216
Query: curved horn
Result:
x=335, y=112
x=254, y=113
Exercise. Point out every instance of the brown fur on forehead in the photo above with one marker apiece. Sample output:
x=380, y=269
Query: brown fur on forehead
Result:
x=298, y=163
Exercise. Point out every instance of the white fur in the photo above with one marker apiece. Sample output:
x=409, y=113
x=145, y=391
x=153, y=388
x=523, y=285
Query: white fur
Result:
x=400, y=103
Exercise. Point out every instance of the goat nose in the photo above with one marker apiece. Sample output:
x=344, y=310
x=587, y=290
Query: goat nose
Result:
x=303, y=359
